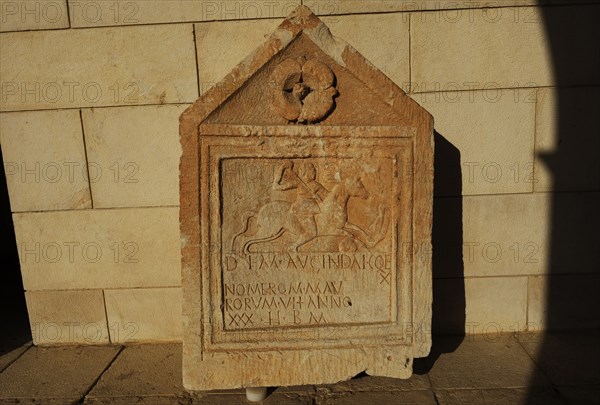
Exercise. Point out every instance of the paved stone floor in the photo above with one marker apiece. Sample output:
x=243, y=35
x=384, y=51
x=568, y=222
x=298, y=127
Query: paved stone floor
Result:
x=562, y=368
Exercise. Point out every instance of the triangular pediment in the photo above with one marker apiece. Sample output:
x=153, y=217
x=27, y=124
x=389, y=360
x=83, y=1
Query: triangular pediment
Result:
x=361, y=95
x=354, y=103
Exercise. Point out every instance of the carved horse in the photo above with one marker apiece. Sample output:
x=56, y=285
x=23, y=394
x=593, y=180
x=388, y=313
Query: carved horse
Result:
x=278, y=217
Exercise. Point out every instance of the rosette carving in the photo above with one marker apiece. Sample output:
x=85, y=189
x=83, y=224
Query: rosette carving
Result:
x=303, y=90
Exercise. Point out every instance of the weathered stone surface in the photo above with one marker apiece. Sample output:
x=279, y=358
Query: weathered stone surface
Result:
x=67, y=317
x=91, y=68
x=315, y=185
x=144, y=314
x=443, y=41
x=457, y=301
x=449, y=10
x=25, y=15
x=512, y=235
x=381, y=39
x=134, y=155
x=521, y=55
x=44, y=160
x=91, y=13
x=493, y=304
x=87, y=249
x=494, y=132
x=210, y=36
x=333, y=7
x=506, y=235
x=59, y=375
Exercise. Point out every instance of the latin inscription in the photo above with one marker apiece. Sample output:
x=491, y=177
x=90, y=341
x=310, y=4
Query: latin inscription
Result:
x=291, y=304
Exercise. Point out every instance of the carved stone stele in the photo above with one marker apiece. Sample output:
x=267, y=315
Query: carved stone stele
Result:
x=306, y=210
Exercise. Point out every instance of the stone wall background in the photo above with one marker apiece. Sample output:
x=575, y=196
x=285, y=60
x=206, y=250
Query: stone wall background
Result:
x=92, y=91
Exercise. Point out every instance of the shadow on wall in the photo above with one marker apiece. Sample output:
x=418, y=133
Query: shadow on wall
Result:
x=13, y=311
x=571, y=293
x=447, y=261
x=568, y=294
x=574, y=166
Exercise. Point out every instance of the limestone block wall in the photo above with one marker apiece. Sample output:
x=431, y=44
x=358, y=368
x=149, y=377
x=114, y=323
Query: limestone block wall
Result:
x=91, y=92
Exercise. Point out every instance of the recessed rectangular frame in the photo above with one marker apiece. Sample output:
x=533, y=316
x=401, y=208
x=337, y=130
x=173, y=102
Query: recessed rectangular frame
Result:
x=407, y=336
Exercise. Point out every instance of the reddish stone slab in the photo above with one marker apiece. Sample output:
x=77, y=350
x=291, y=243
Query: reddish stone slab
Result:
x=306, y=186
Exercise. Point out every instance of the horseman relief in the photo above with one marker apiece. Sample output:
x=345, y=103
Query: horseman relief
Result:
x=317, y=217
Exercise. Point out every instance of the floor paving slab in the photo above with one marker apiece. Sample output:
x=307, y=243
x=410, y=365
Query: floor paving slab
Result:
x=500, y=396
x=297, y=389
x=10, y=354
x=240, y=399
x=156, y=400
x=307, y=390
x=144, y=371
x=482, y=361
x=582, y=394
x=377, y=398
x=566, y=358
x=482, y=370
x=384, y=384
x=59, y=375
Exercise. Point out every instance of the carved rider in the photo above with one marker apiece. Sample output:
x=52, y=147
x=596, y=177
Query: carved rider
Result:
x=303, y=178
